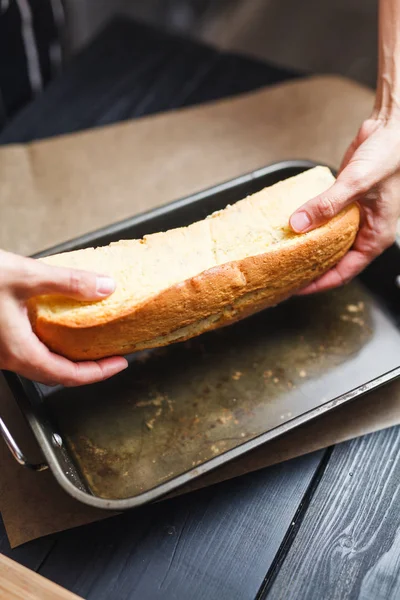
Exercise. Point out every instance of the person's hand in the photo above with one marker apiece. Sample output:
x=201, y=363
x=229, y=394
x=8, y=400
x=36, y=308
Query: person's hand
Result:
x=20, y=350
x=369, y=175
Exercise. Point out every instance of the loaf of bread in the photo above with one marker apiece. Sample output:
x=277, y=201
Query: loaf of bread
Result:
x=175, y=285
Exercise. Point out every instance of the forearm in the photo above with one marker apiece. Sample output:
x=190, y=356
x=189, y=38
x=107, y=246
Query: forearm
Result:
x=387, y=101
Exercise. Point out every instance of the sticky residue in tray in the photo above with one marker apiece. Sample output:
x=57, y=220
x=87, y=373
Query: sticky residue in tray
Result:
x=176, y=407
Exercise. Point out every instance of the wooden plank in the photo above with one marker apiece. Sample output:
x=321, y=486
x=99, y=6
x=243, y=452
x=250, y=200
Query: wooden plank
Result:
x=31, y=555
x=348, y=546
x=215, y=544
x=19, y=583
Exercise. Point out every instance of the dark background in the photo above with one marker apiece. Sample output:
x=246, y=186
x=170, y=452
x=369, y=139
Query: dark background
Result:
x=331, y=36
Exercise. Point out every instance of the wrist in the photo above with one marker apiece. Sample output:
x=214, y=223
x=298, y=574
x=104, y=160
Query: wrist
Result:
x=387, y=99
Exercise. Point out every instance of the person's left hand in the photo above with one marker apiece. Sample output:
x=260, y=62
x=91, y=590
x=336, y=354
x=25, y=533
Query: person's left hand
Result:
x=21, y=350
x=369, y=175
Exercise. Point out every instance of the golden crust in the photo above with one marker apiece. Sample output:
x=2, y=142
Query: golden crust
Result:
x=212, y=299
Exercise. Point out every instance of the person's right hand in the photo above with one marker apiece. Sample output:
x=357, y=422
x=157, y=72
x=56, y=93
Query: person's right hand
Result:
x=20, y=349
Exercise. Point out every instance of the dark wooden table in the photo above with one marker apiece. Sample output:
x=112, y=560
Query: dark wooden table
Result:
x=324, y=526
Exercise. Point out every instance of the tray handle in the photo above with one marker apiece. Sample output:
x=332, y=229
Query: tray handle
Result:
x=17, y=452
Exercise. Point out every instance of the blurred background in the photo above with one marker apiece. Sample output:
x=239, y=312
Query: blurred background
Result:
x=335, y=36
x=39, y=37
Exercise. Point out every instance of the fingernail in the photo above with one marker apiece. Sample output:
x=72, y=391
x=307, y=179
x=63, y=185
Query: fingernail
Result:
x=105, y=286
x=300, y=221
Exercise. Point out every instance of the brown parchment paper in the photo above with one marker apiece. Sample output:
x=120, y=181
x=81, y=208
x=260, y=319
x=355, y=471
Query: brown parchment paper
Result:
x=56, y=189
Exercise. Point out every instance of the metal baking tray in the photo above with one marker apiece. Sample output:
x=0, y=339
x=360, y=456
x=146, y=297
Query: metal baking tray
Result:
x=180, y=411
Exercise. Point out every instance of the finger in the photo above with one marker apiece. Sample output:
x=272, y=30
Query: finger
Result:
x=25, y=354
x=349, y=267
x=373, y=239
x=37, y=279
x=367, y=128
x=45, y=367
x=371, y=163
x=324, y=207
x=348, y=155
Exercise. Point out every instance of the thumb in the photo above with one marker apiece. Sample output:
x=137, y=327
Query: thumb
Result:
x=327, y=205
x=40, y=279
x=367, y=129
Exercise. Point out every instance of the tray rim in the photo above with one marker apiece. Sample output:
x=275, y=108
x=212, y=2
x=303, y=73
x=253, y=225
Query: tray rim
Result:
x=51, y=452
x=158, y=492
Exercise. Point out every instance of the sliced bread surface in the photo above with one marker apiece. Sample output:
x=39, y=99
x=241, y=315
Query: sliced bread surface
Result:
x=175, y=285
